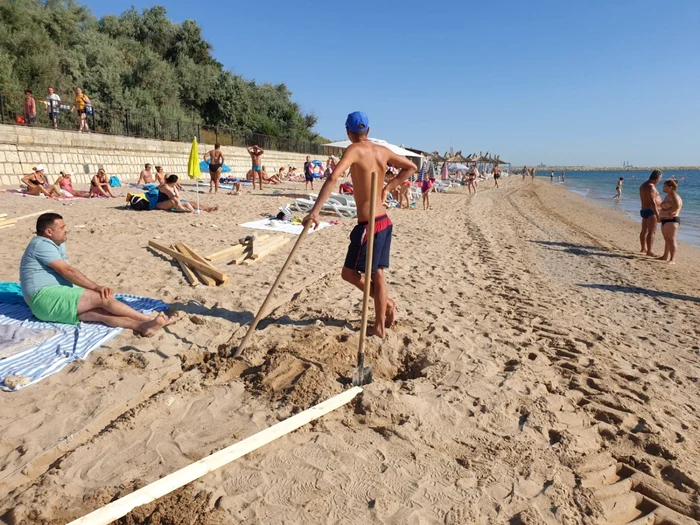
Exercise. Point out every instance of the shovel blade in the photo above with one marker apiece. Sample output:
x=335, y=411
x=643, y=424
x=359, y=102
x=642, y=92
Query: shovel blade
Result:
x=362, y=375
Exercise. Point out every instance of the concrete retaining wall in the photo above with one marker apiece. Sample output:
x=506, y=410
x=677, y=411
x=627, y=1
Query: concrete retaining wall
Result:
x=81, y=154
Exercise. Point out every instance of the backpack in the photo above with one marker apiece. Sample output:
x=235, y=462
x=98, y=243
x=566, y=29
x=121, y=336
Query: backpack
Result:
x=139, y=202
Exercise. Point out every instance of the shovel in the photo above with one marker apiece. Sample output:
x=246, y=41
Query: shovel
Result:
x=362, y=375
x=260, y=313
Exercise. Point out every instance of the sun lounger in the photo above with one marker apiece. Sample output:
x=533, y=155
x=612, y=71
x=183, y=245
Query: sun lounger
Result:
x=345, y=212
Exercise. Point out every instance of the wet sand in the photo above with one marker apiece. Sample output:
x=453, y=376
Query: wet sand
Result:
x=540, y=371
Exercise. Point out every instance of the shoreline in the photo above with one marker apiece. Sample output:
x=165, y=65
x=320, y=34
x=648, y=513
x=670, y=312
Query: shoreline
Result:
x=535, y=350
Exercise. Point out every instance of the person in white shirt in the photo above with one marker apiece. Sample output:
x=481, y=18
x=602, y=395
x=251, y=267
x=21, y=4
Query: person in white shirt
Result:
x=53, y=103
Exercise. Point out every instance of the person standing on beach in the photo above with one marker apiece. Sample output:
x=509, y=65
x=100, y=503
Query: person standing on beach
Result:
x=563, y=176
x=215, y=160
x=53, y=103
x=525, y=172
x=532, y=173
x=618, y=188
x=670, y=220
x=364, y=157
x=29, y=108
x=80, y=104
x=650, y=212
x=551, y=177
x=256, y=153
x=308, y=173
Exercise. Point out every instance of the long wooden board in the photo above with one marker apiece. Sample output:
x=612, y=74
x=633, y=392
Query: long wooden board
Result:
x=121, y=507
x=189, y=273
x=201, y=259
x=184, y=249
x=266, y=251
x=231, y=250
x=193, y=263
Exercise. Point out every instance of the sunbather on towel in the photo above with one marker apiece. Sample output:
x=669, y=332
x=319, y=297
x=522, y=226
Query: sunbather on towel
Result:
x=57, y=292
x=38, y=185
x=365, y=157
x=169, y=198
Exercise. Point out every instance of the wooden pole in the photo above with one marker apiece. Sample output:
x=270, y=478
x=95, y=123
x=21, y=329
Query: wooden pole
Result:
x=182, y=248
x=261, y=312
x=193, y=263
x=121, y=507
x=189, y=274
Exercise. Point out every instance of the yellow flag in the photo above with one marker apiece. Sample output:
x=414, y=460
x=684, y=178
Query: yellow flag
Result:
x=193, y=170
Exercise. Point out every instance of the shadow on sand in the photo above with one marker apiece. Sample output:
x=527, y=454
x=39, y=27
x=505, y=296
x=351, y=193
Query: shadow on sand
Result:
x=642, y=291
x=581, y=249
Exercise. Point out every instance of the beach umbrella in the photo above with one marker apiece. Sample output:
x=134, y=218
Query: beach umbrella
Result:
x=457, y=167
x=193, y=170
x=396, y=149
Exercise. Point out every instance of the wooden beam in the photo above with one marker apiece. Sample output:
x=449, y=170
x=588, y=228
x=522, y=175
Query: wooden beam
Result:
x=121, y=507
x=189, y=274
x=281, y=241
x=201, y=259
x=192, y=263
x=30, y=215
x=182, y=248
x=266, y=251
x=230, y=251
x=238, y=259
x=7, y=226
x=2, y=215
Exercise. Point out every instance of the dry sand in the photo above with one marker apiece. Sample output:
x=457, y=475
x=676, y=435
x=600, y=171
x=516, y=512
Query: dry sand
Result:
x=540, y=371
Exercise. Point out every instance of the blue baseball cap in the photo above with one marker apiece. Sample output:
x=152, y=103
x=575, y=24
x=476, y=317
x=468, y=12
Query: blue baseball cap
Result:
x=357, y=122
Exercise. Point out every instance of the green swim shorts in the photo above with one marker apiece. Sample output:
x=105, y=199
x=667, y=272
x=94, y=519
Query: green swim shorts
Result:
x=56, y=304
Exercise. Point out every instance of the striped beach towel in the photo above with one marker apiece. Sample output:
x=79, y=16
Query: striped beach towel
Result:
x=72, y=342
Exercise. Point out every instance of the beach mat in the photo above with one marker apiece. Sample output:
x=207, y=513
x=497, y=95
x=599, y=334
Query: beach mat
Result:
x=72, y=342
x=280, y=226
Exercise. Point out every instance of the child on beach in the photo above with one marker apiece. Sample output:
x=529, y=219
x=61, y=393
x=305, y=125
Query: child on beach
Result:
x=364, y=157
x=426, y=188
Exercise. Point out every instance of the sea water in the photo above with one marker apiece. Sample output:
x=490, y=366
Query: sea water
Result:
x=600, y=187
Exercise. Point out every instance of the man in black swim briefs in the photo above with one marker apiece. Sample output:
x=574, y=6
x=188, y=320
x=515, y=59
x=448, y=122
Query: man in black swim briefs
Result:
x=215, y=158
x=651, y=200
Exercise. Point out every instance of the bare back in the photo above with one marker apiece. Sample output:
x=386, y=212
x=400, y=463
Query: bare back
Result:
x=366, y=157
x=648, y=195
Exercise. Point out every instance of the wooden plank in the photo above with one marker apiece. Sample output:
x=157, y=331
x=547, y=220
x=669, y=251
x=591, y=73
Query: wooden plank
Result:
x=189, y=274
x=259, y=246
x=201, y=259
x=192, y=263
x=7, y=226
x=267, y=251
x=7, y=223
x=3, y=215
x=270, y=247
x=121, y=507
x=182, y=248
x=230, y=251
x=30, y=215
x=238, y=259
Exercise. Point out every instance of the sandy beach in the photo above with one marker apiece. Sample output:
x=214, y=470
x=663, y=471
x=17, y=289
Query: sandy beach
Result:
x=541, y=370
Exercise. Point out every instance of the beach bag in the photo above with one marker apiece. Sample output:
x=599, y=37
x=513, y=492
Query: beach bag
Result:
x=88, y=109
x=138, y=202
x=114, y=181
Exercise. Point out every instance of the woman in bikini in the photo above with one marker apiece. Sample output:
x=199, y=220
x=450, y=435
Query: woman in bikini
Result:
x=216, y=161
x=64, y=184
x=37, y=184
x=99, y=185
x=169, y=198
x=670, y=220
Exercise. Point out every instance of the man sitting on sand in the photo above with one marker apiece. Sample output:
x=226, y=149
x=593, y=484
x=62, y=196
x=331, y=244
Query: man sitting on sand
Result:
x=145, y=177
x=56, y=292
x=651, y=200
x=365, y=157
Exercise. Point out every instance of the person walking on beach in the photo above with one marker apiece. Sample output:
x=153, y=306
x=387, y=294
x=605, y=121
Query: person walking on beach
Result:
x=364, y=157
x=426, y=187
x=57, y=292
x=215, y=159
x=80, y=103
x=563, y=176
x=496, y=174
x=525, y=172
x=532, y=173
x=670, y=220
x=618, y=188
x=551, y=177
x=29, y=108
x=256, y=153
x=308, y=173
x=471, y=179
x=53, y=103
x=650, y=212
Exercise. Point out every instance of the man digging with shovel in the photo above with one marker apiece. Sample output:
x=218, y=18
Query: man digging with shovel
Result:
x=364, y=157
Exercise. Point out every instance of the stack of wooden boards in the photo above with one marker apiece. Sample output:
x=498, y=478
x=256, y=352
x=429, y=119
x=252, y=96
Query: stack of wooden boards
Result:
x=9, y=222
x=197, y=268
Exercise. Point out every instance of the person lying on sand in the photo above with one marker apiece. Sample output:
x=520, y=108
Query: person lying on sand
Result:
x=38, y=185
x=270, y=180
x=99, y=185
x=56, y=292
x=64, y=184
x=365, y=157
x=169, y=198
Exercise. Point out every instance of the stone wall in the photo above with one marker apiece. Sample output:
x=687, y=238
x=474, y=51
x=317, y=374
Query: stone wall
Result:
x=82, y=154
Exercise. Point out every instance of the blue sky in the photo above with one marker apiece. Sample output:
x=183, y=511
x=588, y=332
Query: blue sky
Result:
x=561, y=82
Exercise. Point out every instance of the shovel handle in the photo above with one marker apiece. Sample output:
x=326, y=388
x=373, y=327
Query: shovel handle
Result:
x=261, y=311
x=368, y=268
